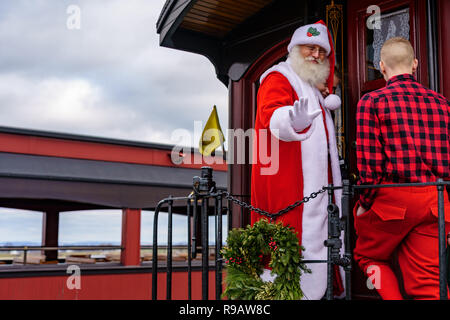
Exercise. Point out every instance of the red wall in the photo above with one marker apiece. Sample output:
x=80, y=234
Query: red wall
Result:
x=16, y=143
x=103, y=287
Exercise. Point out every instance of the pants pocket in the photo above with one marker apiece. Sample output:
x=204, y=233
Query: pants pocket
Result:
x=388, y=218
x=435, y=211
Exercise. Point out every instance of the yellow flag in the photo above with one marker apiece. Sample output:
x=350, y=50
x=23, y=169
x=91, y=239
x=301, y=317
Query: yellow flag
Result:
x=212, y=135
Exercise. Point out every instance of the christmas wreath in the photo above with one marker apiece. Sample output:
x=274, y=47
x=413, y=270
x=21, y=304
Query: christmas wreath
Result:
x=249, y=249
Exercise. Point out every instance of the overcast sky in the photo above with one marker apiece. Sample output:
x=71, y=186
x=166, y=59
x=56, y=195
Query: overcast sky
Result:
x=108, y=78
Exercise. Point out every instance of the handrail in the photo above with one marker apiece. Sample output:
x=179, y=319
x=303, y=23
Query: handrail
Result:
x=25, y=249
x=34, y=248
x=411, y=184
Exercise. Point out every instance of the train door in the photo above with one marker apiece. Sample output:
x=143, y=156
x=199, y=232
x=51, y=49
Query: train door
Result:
x=370, y=24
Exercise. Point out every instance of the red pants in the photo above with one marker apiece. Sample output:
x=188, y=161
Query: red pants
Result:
x=402, y=220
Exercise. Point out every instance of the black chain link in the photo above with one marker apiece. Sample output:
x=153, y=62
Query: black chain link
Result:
x=272, y=216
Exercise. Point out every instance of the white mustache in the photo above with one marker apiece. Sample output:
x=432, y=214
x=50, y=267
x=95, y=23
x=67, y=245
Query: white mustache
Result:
x=314, y=59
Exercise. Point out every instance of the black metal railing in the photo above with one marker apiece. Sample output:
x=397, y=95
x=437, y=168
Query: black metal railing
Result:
x=199, y=208
x=203, y=202
x=440, y=185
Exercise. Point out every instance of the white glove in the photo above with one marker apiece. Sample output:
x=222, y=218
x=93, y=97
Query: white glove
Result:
x=299, y=116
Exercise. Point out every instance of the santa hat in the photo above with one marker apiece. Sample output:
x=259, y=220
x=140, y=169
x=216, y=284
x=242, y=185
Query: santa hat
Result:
x=318, y=34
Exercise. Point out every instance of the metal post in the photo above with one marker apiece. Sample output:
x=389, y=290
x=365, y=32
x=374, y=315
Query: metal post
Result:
x=218, y=224
x=169, y=253
x=442, y=243
x=346, y=193
x=189, y=259
x=193, y=252
x=155, y=252
x=205, y=249
x=330, y=265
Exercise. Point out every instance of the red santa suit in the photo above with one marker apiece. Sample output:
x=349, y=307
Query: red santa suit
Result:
x=307, y=161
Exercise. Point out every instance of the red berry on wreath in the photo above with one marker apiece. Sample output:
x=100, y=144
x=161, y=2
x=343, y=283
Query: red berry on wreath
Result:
x=309, y=34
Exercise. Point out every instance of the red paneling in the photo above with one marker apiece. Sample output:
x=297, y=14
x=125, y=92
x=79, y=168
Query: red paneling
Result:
x=131, y=237
x=102, y=287
x=444, y=46
x=96, y=151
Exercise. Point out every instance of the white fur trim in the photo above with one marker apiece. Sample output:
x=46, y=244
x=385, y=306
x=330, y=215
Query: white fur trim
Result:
x=332, y=102
x=300, y=37
x=281, y=128
x=314, y=163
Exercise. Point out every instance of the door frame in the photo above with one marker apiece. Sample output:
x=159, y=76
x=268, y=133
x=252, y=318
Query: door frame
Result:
x=357, y=84
x=242, y=114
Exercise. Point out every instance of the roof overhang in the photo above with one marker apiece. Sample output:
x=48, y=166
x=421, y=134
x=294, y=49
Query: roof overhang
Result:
x=233, y=33
x=51, y=183
x=50, y=171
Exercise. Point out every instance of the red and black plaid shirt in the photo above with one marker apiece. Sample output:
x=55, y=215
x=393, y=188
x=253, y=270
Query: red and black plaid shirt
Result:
x=402, y=135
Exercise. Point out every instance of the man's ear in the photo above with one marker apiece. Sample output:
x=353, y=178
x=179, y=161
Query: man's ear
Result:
x=414, y=66
x=382, y=67
x=383, y=70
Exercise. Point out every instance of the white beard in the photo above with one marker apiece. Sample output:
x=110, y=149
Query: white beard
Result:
x=310, y=72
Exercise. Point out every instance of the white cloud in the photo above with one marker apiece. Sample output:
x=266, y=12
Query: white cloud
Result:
x=110, y=78
x=20, y=225
x=58, y=104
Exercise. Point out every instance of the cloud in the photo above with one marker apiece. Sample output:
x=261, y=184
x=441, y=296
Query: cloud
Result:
x=20, y=226
x=109, y=78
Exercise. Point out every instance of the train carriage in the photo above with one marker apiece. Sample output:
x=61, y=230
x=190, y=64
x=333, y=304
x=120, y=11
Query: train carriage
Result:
x=244, y=38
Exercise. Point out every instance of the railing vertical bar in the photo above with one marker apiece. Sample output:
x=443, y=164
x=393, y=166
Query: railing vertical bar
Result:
x=219, y=270
x=216, y=244
x=346, y=215
x=230, y=214
x=218, y=236
x=194, y=228
x=169, y=252
x=442, y=243
x=205, y=251
x=189, y=259
x=155, y=252
x=330, y=265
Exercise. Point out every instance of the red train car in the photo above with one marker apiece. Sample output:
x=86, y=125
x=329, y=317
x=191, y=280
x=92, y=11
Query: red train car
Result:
x=53, y=173
x=242, y=39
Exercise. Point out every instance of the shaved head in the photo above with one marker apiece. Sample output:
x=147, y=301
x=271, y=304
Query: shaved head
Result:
x=397, y=53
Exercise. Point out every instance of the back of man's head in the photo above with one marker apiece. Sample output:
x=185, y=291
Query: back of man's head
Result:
x=397, y=53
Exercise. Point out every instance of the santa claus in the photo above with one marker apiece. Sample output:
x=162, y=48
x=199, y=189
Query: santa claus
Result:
x=293, y=110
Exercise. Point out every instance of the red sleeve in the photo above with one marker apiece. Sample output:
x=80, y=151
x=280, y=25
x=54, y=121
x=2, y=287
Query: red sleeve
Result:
x=369, y=149
x=275, y=92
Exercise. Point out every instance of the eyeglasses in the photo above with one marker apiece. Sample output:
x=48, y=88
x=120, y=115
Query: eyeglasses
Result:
x=313, y=49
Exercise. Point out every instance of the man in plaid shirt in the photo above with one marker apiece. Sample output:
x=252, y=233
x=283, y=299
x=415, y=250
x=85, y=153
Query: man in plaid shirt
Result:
x=403, y=135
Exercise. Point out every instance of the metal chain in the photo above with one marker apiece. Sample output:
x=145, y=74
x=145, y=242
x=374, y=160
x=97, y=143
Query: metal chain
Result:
x=272, y=216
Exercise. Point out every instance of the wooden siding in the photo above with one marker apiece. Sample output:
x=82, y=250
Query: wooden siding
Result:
x=217, y=18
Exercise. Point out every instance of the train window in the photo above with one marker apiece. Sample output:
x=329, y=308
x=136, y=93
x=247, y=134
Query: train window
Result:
x=18, y=228
x=393, y=24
